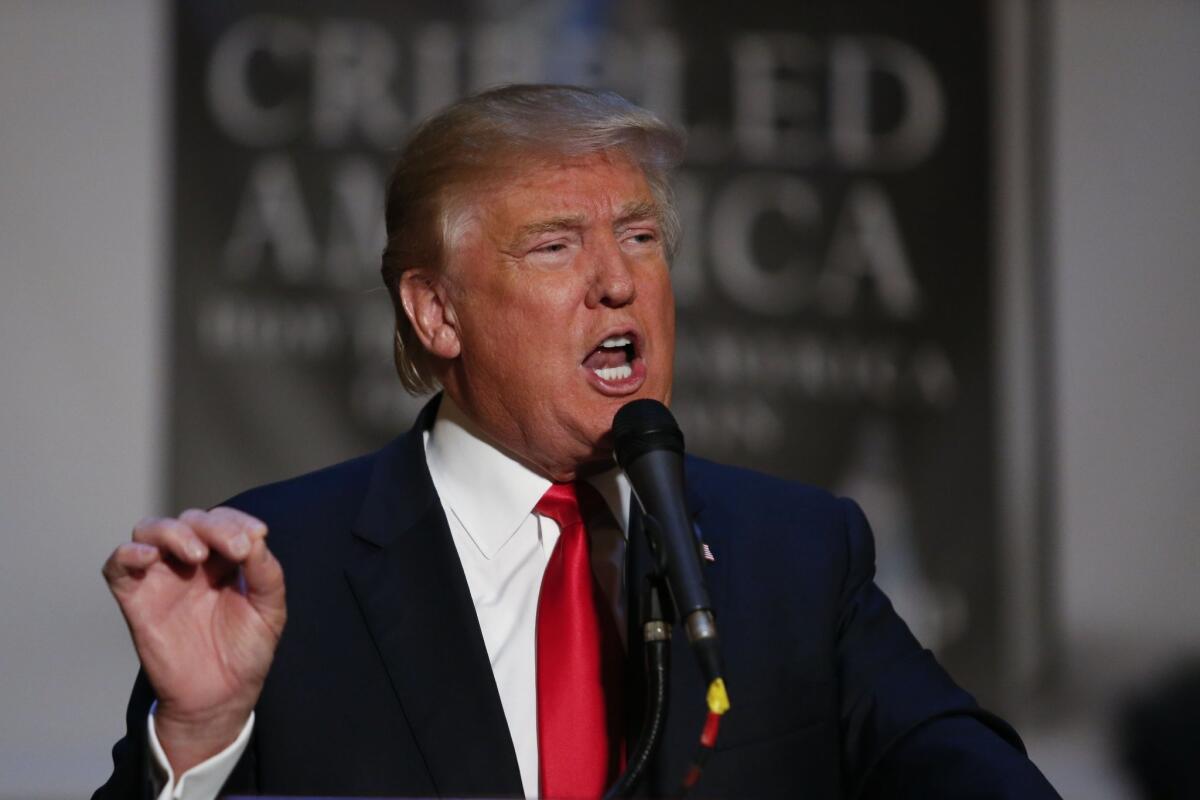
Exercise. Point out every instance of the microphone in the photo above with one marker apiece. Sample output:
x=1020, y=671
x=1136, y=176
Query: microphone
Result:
x=649, y=448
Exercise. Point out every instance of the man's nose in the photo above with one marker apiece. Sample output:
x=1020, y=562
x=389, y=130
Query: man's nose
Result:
x=613, y=284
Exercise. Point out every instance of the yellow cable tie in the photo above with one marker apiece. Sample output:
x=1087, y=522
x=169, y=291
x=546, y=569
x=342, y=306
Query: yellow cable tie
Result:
x=718, y=699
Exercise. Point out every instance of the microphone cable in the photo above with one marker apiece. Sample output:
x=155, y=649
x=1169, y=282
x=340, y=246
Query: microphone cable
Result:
x=656, y=639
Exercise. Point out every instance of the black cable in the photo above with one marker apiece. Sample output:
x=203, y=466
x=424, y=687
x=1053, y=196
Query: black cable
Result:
x=658, y=660
x=656, y=637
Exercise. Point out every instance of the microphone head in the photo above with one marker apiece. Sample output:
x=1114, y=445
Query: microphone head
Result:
x=641, y=426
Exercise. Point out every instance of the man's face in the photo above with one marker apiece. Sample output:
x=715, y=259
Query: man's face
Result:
x=559, y=291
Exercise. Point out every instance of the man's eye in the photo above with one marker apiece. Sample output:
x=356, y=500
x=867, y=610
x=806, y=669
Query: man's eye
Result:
x=553, y=247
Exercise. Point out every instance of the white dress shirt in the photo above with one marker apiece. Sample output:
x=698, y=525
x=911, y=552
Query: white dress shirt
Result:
x=503, y=546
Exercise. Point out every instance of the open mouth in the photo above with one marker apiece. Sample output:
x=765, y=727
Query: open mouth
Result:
x=615, y=359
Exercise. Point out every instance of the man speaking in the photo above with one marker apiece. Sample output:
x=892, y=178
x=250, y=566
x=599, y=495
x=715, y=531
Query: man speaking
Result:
x=461, y=611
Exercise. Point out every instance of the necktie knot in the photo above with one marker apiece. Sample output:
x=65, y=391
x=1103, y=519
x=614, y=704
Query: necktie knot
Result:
x=561, y=504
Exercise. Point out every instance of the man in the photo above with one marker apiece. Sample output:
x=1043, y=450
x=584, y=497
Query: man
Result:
x=529, y=234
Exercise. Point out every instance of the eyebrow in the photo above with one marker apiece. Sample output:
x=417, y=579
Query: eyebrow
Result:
x=573, y=221
x=634, y=211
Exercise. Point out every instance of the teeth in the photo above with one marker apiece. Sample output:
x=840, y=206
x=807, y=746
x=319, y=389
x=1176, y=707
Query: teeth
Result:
x=616, y=341
x=614, y=373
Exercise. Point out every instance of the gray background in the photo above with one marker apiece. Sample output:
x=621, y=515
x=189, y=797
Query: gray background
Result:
x=83, y=188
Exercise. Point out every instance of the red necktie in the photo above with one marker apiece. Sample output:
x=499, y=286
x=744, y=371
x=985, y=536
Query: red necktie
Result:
x=578, y=663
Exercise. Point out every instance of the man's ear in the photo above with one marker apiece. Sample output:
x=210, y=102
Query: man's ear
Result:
x=423, y=294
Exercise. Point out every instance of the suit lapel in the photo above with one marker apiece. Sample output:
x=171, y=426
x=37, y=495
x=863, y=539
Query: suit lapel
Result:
x=410, y=585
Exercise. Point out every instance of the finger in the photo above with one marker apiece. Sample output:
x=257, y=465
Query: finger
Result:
x=127, y=562
x=254, y=527
x=226, y=533
x=172, y=535
x=263, y=577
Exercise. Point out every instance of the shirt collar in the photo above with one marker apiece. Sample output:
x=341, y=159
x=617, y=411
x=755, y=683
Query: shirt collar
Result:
x=490, y=492
x=614, y=487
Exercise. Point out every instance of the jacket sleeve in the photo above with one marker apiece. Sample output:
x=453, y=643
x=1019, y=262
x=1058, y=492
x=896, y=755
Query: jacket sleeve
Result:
x=907, y=729
x=132, y=775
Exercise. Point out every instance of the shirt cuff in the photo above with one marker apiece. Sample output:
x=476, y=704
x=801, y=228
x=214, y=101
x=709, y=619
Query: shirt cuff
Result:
x=203, y=781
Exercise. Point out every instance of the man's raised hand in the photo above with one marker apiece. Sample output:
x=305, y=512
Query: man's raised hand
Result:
x=204, y=601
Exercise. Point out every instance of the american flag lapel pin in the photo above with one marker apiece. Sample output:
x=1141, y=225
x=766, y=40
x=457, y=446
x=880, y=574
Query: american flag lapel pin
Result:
x=705, y=551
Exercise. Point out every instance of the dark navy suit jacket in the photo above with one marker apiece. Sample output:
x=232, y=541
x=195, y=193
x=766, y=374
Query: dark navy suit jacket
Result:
x=381, y=685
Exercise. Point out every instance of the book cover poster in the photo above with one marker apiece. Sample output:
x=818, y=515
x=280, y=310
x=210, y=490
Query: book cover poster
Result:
x=833, y=286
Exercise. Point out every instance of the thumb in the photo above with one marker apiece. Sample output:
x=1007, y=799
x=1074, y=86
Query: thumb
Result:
x=263, y=576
